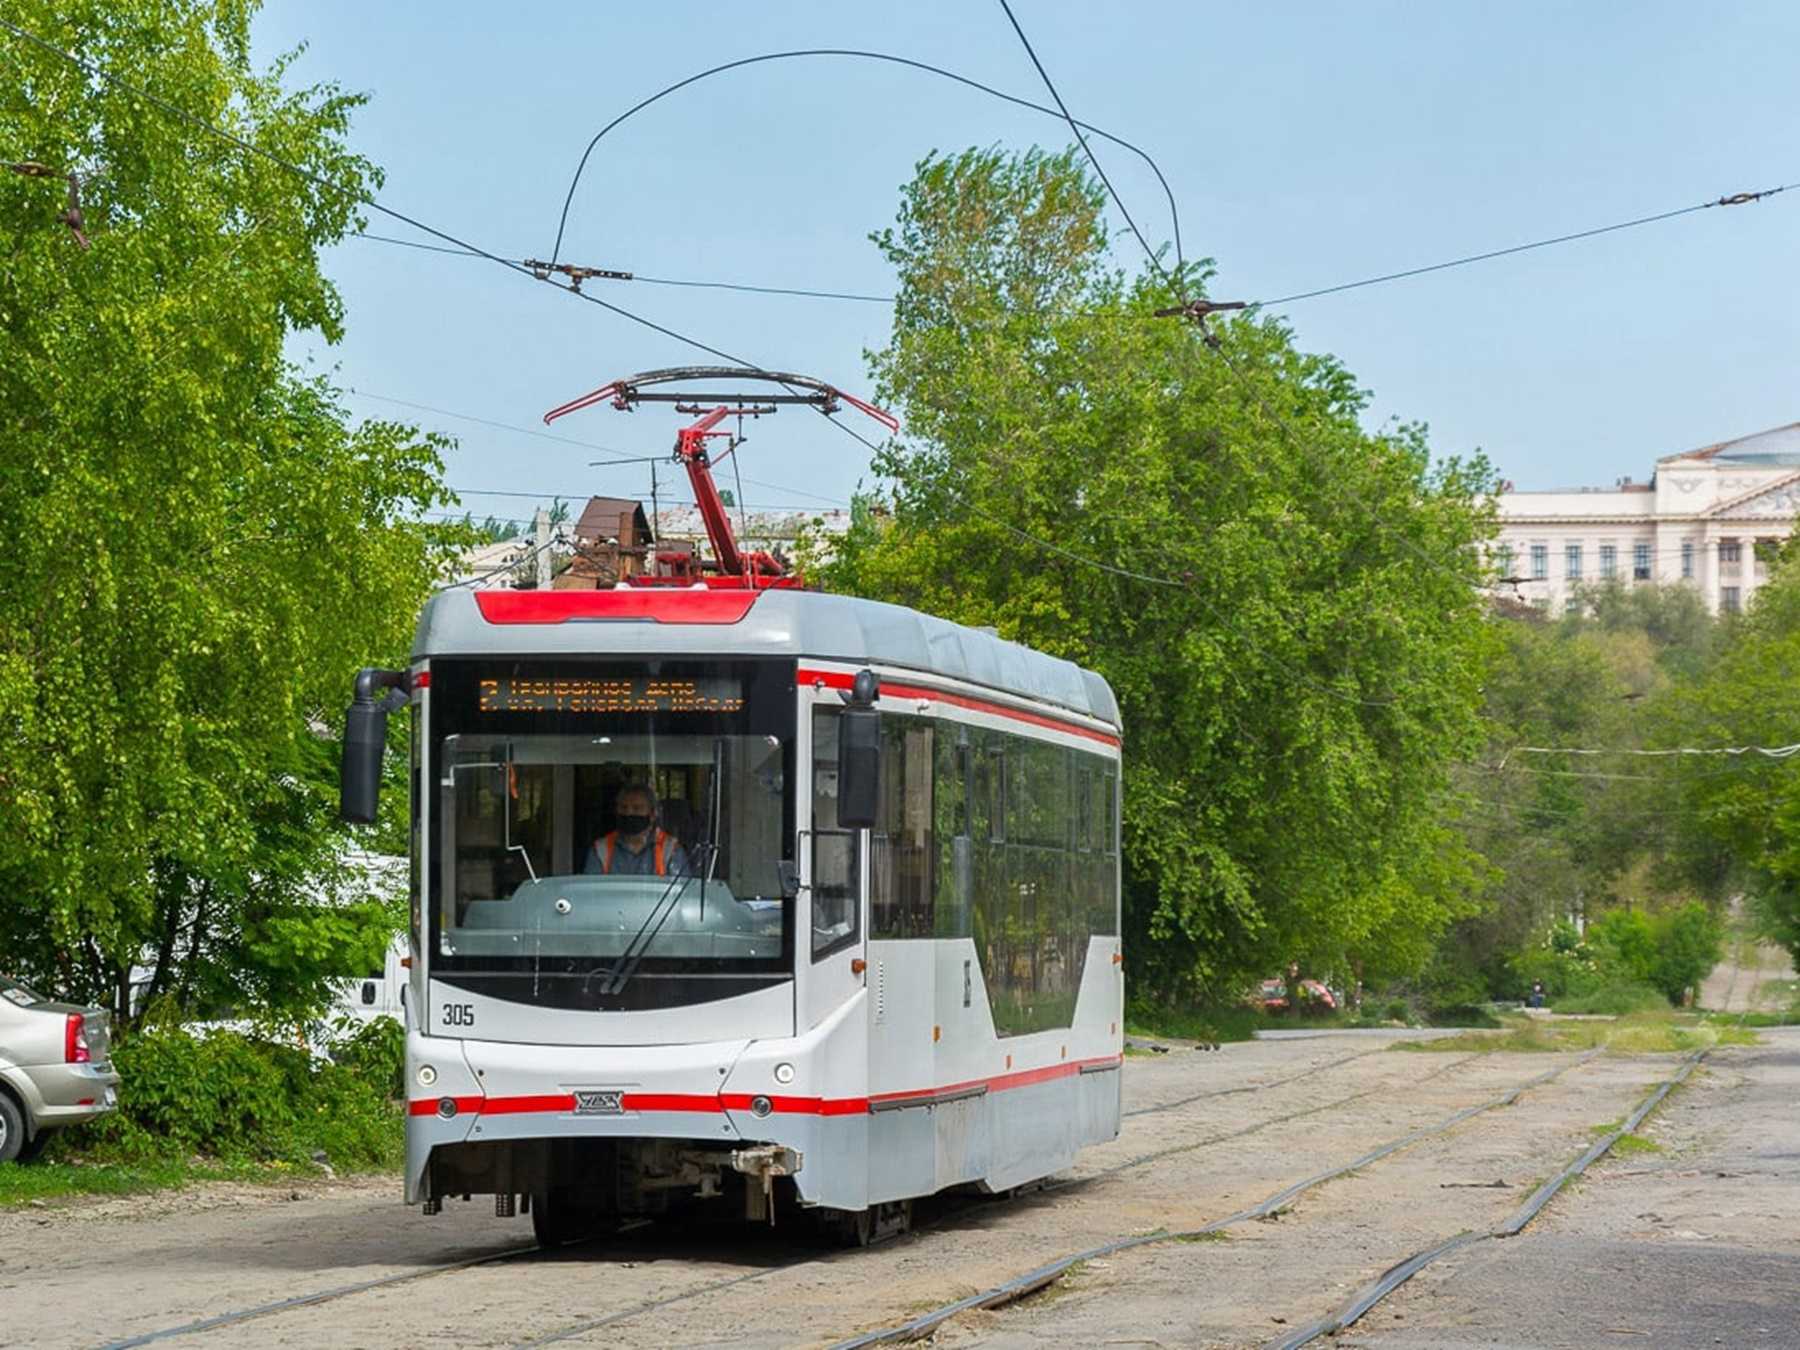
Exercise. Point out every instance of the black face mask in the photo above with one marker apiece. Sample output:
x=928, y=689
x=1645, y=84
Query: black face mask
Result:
x=630, y=825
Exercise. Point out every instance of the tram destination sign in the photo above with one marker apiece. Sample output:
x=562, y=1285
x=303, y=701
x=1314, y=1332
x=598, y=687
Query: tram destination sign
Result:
x=611, y=694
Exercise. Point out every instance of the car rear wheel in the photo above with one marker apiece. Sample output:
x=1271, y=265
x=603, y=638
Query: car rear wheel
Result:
x=32, y=1147
x=12, y=1129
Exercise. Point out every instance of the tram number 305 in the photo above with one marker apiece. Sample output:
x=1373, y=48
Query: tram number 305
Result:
x=459, y=1014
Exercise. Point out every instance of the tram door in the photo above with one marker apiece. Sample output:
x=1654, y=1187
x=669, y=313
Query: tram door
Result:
x=834, y=878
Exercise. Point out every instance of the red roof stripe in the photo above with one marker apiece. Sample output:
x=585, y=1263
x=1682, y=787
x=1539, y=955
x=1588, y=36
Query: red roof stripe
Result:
x=637, y=605
x=832, y=679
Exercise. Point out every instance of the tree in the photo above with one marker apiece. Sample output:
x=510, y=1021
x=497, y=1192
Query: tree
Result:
x=201, y=548
x=1284, y=603
x=1740, y=815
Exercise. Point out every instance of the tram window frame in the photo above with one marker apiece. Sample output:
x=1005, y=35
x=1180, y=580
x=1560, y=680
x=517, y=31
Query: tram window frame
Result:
x=825, y=765
x=902, y=845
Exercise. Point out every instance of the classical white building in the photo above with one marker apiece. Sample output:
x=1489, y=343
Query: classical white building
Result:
x=1709, y=518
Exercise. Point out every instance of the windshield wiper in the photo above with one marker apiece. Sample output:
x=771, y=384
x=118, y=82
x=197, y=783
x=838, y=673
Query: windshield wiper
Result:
x=621, y=971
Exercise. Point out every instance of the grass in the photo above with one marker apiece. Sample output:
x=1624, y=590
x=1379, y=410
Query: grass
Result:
x=1217, y=1235
x=1616, y=1000
x=1645, y=1033
x=44, y=1181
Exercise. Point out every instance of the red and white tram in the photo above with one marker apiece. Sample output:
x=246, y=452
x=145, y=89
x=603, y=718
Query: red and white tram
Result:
x=742, y=895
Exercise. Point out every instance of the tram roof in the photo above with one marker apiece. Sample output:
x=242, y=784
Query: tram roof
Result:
x=632, y=621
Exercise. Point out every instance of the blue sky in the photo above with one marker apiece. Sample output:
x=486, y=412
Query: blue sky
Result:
x=1307, y=143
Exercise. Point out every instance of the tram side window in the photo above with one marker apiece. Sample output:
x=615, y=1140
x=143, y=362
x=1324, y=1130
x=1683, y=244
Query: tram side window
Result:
x=902, y=851
x=834, y=850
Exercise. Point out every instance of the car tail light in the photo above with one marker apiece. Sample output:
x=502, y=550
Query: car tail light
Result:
x=75, y=1046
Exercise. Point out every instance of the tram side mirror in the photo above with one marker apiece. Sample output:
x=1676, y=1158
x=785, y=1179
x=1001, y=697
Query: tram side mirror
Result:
x=859, y=767
x=365, y=742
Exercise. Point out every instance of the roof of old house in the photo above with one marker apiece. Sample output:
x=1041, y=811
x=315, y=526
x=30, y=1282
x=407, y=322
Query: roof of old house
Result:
x=607, y=518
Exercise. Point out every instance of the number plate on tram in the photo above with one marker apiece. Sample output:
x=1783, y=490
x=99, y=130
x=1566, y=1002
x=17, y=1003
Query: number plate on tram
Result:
x=599, y=1103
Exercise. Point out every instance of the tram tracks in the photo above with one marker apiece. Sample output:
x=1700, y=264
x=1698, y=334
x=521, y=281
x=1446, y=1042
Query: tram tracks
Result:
x=1030, y=1281
x=574, y=1331
x=1398, y=1274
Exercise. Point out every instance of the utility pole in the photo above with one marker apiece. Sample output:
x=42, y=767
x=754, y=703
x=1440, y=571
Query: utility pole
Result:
x=540, y=522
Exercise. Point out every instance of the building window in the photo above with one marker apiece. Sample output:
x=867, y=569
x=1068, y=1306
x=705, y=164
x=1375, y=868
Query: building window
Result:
x=1541, y=604
x=1687, y=559
x=1540, y=562
x=1572, y=561
x=1503, y=560
x=1609, y=562
x=1728, y=550
x=1729, y=601
x=1640, y=562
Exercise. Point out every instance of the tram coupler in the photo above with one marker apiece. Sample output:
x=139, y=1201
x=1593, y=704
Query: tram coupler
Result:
x=764, y=1163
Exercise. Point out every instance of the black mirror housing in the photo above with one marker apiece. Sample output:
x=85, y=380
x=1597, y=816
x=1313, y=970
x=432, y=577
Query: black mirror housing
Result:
x=859, y=767
x=365, y=743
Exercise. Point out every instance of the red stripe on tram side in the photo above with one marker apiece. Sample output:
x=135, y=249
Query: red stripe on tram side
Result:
x=832, y=679
x=740, y=1101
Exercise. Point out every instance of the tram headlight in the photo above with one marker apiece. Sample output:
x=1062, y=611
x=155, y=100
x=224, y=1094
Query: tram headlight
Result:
x=761, y=1106
x=446, y=1107
x=427, y=1075
x=784, y=1073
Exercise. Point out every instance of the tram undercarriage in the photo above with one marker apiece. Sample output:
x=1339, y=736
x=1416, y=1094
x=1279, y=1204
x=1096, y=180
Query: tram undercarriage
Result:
x=574, y=1188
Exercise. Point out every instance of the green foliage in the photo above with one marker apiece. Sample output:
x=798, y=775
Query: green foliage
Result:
x=1740, y=823
x=376, y=1051
x=229, y=1096
x=1623, y=953
x=201, y=547
x=1292, y=696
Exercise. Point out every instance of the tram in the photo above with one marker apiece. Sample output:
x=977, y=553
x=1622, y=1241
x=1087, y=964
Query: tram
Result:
x=732, y=895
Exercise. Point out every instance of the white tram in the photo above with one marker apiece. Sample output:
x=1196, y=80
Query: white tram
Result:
x=881, y=957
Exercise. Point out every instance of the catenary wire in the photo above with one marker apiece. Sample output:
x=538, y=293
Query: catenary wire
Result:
x=821, y=293
x=1156, y=262
x=1465, y=261
x=856, y=54
x=1087, y=149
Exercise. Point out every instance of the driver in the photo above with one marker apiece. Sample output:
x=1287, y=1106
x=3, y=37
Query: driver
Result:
x=636, y=846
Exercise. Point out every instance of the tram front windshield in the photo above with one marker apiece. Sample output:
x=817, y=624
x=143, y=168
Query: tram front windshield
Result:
x=609, y=836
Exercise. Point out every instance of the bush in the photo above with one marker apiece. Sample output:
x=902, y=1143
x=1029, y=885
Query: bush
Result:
x=241, y=1098
x=1670, y=953
x=377, y=1051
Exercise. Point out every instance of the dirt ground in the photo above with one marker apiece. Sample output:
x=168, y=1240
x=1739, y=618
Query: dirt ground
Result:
x=1206, y=1135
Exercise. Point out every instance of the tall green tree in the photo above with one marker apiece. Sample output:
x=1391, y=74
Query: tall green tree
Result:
x=200, y=547
x=1284, y=603
x=1740, y=815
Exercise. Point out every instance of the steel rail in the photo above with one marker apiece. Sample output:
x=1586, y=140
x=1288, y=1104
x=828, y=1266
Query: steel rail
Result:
x=1399, y=1274
x=1249, y=1087
x=1173, y=1149
x=1031, y=1281
x=318, y=1296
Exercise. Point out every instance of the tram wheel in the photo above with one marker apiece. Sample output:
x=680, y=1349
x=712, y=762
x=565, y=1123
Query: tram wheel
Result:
x=865, y=1227
x=556, y=1220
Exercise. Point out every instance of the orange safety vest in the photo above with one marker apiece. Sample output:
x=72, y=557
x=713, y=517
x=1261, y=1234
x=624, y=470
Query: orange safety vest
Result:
x=612, y=842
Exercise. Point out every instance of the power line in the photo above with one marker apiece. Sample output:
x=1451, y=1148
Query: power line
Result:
x=1736, y=199
x=856, y=54
x=1768, y=752
x=1087, y=149
x=821, y=293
